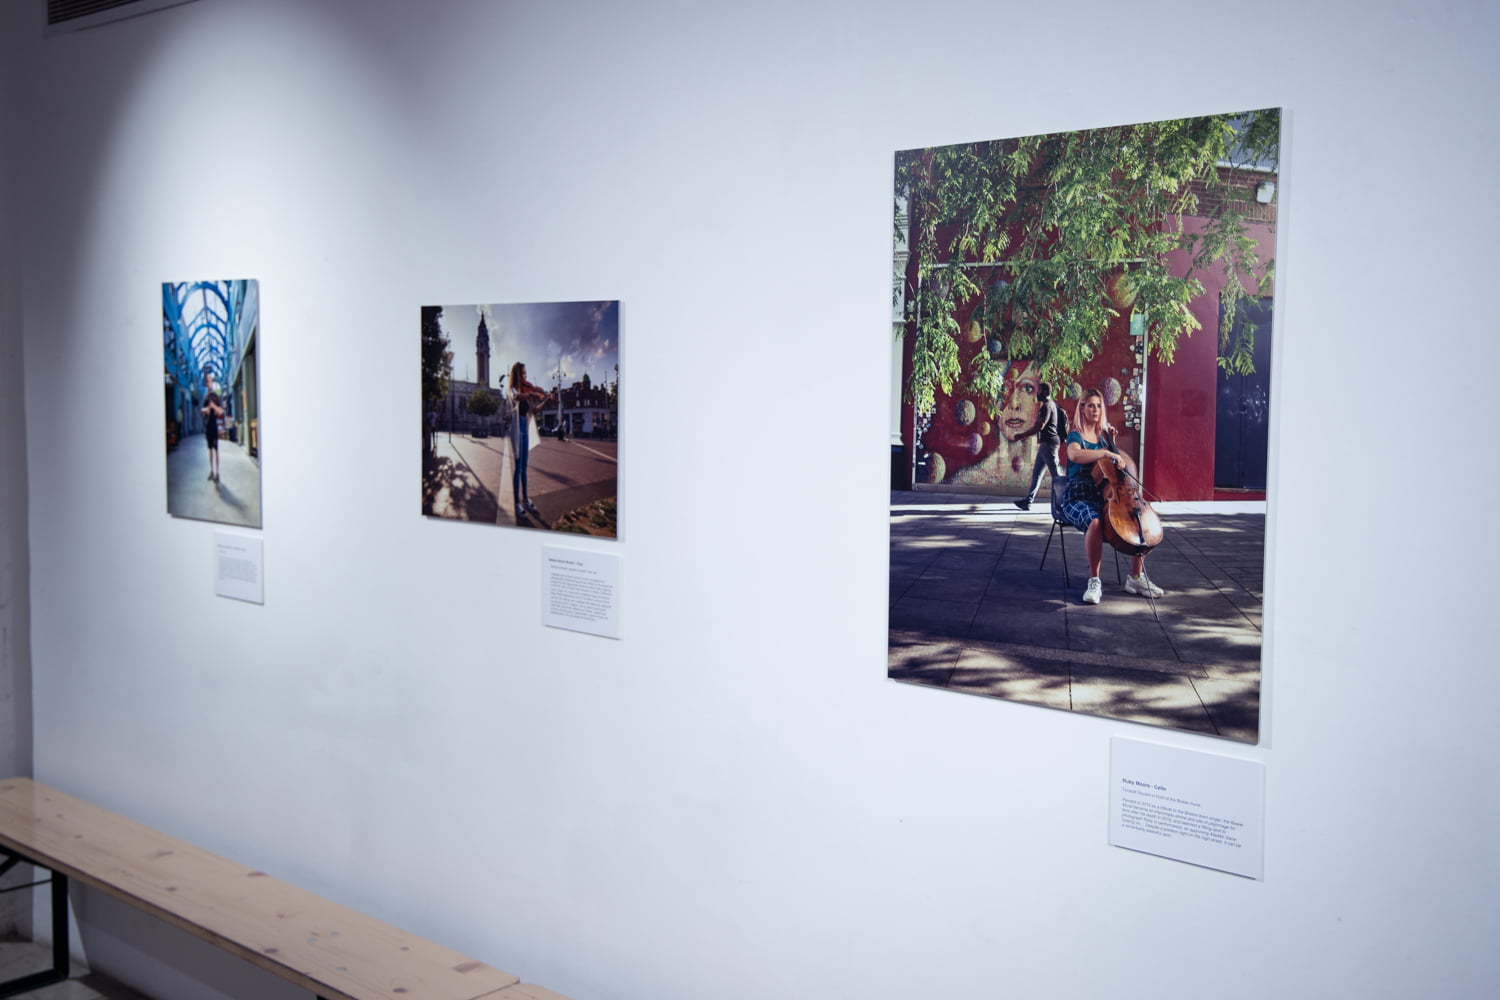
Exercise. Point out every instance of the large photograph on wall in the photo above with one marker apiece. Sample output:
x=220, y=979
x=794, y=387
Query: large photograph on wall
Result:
x=1083, y=332
x=520, y=415
x=210, y=343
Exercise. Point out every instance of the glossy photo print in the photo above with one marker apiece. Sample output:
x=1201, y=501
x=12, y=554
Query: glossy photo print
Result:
x=521, y=415
x=1083, y=331
x=210, y=343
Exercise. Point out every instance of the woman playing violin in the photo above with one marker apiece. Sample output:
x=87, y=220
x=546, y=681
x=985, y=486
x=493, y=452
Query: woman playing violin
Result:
x=1089, y=442
x=526, y=401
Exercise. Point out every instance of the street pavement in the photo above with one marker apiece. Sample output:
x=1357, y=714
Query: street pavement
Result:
x=973, y=609
x=469, y=478
x=234, y=499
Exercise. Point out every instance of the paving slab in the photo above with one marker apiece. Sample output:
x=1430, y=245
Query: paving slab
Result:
x=1129, y=637
x=921, y=662
x=1216, y=641
x=1189, y=660
x=940, y=618
x=996, y=674
x=1233, y=704
x=1032, y=626
x=1156, y=699
x=932, y=586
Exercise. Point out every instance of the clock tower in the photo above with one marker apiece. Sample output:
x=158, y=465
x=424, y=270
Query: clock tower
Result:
x=482, y=352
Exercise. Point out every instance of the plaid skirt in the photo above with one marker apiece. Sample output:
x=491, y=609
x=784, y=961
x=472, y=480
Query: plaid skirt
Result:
x=1082, y=502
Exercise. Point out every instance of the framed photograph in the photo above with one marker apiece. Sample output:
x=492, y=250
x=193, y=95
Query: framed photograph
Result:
x=521, y=415
x=211, y=339
x=1083, y=329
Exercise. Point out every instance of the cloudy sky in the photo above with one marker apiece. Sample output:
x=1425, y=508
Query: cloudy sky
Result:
x=580, y=337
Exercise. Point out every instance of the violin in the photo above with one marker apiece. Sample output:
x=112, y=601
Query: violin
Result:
x=1128, y=521
x=534, y=396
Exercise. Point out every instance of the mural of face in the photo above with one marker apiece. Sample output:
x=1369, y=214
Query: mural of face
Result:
x=1022, y=411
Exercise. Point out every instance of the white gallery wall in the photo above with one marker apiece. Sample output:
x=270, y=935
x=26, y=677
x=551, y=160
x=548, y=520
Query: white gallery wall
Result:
x=731, y=801
x=15, y=671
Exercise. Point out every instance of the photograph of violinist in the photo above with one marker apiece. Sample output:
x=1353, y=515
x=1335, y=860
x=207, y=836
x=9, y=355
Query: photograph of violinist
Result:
x=1080, y=432
x=520, y=415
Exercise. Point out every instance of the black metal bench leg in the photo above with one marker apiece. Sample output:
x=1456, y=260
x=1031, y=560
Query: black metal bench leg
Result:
x=59, y=971
x=60, y=925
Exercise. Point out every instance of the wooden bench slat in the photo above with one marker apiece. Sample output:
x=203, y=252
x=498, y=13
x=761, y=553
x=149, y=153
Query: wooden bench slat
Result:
x=337, y=952
x=526, y=991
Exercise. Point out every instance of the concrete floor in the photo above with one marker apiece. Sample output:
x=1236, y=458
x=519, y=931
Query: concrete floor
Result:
x=233, y=499
x=21, y=958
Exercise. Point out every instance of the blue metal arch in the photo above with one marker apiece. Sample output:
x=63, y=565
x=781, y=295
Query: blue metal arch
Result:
x=203, y=343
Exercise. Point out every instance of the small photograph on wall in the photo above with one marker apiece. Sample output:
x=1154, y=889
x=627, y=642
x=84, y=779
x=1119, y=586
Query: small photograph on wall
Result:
x=521, y=415
x=210, y=342
x=1082, y=342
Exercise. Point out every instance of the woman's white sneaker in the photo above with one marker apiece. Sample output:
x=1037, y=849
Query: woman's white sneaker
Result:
x=1093, y=591
x=1142, y=585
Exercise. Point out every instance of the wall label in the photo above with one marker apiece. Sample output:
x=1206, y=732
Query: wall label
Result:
x=580, y=591
x=238, y=565
x=1203, y=808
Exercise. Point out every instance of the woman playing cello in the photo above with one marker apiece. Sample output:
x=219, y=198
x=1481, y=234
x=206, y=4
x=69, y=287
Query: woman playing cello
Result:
x=1088, y=443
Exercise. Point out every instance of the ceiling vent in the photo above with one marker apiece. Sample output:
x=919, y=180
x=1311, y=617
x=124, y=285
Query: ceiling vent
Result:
x=75, y=15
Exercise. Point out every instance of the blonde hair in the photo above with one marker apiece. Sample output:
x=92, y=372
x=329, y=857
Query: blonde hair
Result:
x=1105, y=427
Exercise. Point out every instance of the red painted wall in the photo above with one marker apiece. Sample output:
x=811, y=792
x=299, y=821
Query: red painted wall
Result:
x=1180, y=397
x=1180, y=402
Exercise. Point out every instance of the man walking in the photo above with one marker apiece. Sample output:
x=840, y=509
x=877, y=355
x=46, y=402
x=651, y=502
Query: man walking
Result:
x=1051, y=433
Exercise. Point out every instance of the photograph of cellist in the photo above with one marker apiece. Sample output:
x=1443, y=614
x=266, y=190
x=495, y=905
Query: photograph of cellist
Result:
x=1081, y=430
x=1103, y=501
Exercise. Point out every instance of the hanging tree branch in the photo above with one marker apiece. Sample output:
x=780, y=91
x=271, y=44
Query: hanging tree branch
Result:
x=1041, y=226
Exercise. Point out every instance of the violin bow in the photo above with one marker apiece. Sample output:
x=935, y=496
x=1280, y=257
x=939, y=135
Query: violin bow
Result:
x=1109, y=439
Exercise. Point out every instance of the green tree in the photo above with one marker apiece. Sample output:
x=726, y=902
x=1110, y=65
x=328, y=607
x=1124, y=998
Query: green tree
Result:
x=483, y=403
x=1048, y=233
x=437, y=360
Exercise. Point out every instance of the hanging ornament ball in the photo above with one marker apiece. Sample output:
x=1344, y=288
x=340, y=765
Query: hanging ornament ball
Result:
x=1122, y=291
x=1111, y=389
x=937, y=469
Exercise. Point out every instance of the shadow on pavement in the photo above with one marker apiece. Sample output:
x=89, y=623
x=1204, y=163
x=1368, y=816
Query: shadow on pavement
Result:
x=974, y=609
x=450, y=489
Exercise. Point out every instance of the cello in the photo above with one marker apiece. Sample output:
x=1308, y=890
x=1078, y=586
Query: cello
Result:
x=1127, y=520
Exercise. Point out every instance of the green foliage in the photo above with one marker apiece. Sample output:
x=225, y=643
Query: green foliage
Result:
x=597, y=518
x=483, y=403
x=437, y=360
x=1050, y=233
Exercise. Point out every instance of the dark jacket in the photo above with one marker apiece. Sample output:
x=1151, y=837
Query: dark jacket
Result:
x=1054, y=429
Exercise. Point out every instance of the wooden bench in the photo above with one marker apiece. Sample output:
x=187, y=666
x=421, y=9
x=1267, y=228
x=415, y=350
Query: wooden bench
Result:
x=333, y=951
